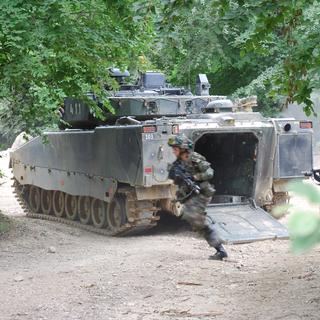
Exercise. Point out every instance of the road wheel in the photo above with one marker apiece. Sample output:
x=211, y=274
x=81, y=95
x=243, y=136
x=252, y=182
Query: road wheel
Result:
x=84, y=209
x=58, y=204
x=99, y=213
x=46, y=201
x=34, y=199
x=116, y=213
x=71, y=206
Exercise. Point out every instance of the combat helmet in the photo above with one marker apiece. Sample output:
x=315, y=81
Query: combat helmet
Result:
x=180, y=141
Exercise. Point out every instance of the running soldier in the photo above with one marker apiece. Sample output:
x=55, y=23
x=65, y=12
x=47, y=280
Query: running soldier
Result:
x=194, y=190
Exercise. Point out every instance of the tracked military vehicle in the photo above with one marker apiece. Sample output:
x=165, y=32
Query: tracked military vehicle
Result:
x=111, y=176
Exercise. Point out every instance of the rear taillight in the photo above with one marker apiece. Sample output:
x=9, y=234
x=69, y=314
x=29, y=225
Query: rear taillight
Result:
x=306, y=125
x=175, y=129
x=149, y=129
x=147, y=170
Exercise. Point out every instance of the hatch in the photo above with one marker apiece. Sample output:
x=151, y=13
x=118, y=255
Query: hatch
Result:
x=244, y=222
x=233, y=158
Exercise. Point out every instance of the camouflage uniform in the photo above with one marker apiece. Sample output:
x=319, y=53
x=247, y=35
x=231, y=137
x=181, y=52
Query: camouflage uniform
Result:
x=194, y=205
x=194, y=208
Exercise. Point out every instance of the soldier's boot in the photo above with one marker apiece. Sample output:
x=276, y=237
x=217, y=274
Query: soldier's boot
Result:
x=220, y=254
x=213, y=240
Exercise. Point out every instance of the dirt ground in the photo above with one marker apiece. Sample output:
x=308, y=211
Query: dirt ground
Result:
x=51, y=271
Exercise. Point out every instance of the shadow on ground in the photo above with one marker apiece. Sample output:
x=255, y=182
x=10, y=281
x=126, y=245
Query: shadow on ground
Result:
x=168, y=224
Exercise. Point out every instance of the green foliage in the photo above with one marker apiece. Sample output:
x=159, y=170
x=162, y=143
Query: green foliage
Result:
x=287, y=31
x=237, y=42
x=304, y=224
x=200, y=37
x=268, y=104
x=56, y=48
x=52, y=49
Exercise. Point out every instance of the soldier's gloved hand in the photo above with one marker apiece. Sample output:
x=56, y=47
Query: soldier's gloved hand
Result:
x=178, y=180
x=196, y=177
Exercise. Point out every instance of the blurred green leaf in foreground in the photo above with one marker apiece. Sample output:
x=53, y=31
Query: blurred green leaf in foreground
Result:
x=304, y=221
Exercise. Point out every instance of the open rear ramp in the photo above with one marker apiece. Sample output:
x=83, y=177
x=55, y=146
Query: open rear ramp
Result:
x=242, y=223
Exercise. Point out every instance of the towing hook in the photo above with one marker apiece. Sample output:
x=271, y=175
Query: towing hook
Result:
x=316, y=174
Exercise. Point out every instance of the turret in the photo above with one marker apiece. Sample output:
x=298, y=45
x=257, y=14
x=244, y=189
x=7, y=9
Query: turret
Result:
x=151, y=97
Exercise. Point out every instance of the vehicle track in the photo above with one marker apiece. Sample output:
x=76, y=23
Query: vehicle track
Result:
x=127, y=229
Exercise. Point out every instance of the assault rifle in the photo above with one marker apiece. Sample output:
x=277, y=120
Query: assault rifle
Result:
x=181, y=177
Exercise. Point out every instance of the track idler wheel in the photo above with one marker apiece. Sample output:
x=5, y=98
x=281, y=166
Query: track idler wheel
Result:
x=116, y=213
x=58, y=204
x=71, y=206
x=46, y=201
x=84, y=209
x=34, y=199
x=99, y=213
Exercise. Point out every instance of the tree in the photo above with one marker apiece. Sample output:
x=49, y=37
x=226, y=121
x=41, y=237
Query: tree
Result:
x=268, y=47
x=52, y=49
x=288, y=31
x=56, y=48
x=196, y=37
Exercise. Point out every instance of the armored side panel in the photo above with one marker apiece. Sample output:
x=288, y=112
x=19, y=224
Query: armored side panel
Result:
x=107, y=155
x=94, y=162
x=99, y=152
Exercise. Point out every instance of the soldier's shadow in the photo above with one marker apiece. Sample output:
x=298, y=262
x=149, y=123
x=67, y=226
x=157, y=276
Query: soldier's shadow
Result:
x=169, y=224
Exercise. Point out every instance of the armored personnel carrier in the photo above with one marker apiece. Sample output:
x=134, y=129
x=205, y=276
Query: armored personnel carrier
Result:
x=111, y=176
